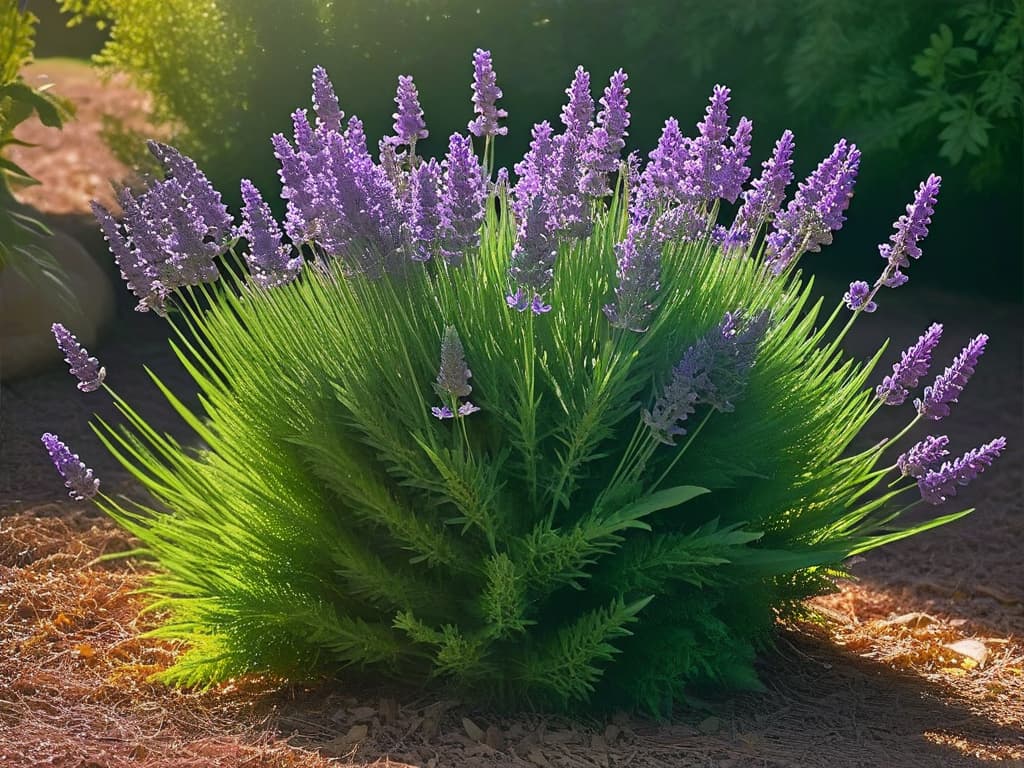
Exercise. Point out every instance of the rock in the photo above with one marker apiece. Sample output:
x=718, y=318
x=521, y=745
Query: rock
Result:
x=474, y=731
x=28, y=307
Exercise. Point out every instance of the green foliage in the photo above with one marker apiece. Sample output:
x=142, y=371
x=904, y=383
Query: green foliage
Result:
x=917, y=73
x=19, y=232
x=224, y=73
x=547, y=548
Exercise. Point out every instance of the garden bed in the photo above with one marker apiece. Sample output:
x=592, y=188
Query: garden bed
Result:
x=877, y=685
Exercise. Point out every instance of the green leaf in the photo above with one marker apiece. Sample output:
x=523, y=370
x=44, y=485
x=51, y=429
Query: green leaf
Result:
x=966, y=132
x=630, y=515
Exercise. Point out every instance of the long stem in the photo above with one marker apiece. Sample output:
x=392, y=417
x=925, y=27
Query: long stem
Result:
x=681, y=451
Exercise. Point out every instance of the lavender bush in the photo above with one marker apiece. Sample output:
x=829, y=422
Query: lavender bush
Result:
x=555, y=436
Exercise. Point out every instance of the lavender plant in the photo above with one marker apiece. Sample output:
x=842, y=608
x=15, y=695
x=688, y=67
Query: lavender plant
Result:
x=564, y=439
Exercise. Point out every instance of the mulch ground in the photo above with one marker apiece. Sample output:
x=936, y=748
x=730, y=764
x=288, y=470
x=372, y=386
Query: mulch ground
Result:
x=919, y=661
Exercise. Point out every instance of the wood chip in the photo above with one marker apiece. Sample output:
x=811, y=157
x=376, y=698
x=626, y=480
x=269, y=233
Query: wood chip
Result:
x=914, y=620
x=970, y=648
x=494, y=738
x=363, y=713
x=710, y=725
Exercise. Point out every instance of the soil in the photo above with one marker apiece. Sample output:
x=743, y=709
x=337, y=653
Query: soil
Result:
x=875, y=683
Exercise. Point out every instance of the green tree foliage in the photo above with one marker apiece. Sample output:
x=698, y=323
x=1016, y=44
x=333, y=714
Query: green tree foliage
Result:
x=943, y=77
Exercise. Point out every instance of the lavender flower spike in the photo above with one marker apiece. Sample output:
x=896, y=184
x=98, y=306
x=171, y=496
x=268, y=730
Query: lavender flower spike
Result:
x=134, y=270
x=78, y=478
x=910, y=228
x=816, y=211
x=424, y=208
x=268, y=257
x=938, y=485
x=453, y=376
x=762, y=200
x=87, y=370
x=715, y=170
x=196, y=189
x=950, y=383
x=639, y=273
x=533, y=256
x=713, y=372
x=858, y=297
x=913, y=364
x=485, y=93
x=921, y=457
x=606, y=142
x=325, y=102
x=409, y=126
x=462, y=200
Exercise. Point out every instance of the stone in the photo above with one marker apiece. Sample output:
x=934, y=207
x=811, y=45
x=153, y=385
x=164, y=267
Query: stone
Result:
x=28, y=307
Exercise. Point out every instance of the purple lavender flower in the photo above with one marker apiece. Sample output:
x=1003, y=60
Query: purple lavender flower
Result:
x=639, y=273
x=172, y=232
x=713, y=372
x=913, y=364
x=87, y=370
x=578, y=111
x=676, y=404
x=500, y=181
x=606, y=142
x=567, y=206
x=723, y=357
x=78, y=478
x=533, y=255
x=425, y=212
x=680, y=223
x=409, y=126
x=717, y=167
x=391, y=162
x=485, y=94
x=858, y=297
x=910, y=228
x=360, y=215
x=816, y=211
x=519, y=301
x=268, y=258
x=453, y=377
x=463, y=198
x=133, y=269
x=325, y=102
x=196, y=189
x=663, y=178
x=922, y=456
x=936, y=486
x=467, y=408
x=296, y=175
x=950, y=383
x=532, y=171
x=762, y=200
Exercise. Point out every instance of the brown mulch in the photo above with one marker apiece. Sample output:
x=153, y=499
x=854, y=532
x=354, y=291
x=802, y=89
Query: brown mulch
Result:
x=873, y=689
x=920, y=663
